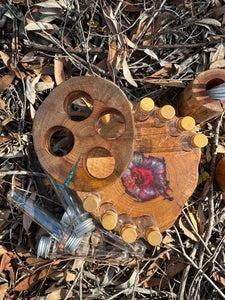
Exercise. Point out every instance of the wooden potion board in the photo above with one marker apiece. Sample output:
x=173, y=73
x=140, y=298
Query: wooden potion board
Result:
x=159, y=180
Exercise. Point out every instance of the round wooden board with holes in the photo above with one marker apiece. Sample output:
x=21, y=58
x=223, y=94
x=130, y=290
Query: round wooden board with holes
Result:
x=76, y=141
x=159, y=180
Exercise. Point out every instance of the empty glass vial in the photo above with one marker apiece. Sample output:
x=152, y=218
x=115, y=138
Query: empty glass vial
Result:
x=163, y=115
x=91, y=202
x=181, y=125
x=149, y=230
x=127, y=228
x=108, y=216
x=75, y=216
x=48, y=248
x=144, y=109
x=194, y=141
x=38, y=214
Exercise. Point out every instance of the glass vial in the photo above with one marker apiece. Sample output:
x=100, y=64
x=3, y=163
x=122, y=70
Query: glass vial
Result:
x=64, y=237
x=163, y=115
x=194, y=141
x=149, y=230
x=181, y=125
x=91, y=202
x=127, y=228
x=108, y=216
x=144, y=109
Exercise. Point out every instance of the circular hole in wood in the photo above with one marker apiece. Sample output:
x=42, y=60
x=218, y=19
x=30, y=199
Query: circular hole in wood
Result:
x=100, y=163
x=60, y=141
x=111, y=124
x=213, y=83
x=79, y=105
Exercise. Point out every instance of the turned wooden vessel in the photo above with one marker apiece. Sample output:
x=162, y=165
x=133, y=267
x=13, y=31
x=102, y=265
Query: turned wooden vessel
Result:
x=194, y=100
x=84, y=133
x=220, y=173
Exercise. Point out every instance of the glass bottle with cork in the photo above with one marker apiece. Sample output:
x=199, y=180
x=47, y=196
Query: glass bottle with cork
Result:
x=149, y=230
x=181, y=125
x=108, y=216
x=144, y=109
x=194, y=141
x=91, y=202
x=127, y=228
x=163, y=115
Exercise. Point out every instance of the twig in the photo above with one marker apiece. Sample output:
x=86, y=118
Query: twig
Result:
x=15, y=172
x=195, y=265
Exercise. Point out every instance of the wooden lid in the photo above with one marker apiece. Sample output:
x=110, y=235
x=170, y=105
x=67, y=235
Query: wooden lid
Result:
x=146, y=105
x=109, y=220
x=128, y=233
x=153, y=236
x=198, y=140
x=186, y=123
x=166, y=113
x=91, y=203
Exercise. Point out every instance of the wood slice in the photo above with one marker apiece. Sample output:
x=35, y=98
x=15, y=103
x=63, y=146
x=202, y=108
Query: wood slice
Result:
x=159, y=180
x=70, y=133
x=194, y=100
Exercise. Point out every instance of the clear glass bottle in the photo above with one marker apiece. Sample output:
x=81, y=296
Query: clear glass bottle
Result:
x=194, y=141
x=75, y=216
x=91, y=202
x=48, y=248
x=127, y=228
x=163, y=115
x=144, y=109
x=149, y=230
x=64, y=237
x=181, y=125
x=108, y=216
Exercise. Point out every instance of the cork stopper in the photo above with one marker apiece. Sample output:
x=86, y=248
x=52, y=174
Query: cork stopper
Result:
x=153, y=236
x=166, y=113
x=198, y=140
x=146, y=105
x=91, y=203
x=128, y=233
x=186, y=123
x=109, y=220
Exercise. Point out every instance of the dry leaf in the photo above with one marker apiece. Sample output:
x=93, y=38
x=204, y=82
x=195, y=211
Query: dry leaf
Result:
x=2, y=250
x=5, y=58
x=192, y=215
x=31, y=280
x=151, y=53
x=220, y=149
x=201, y=219
x=3, y=289
x=209, y=21
x=58, y=294
x=127, y=73
x=9, y=119
x=58, y=70
x=6, y=80
x=219, y=55
x=48, y=4
x=111, y=58
x=219, y=277
x=175, y=266
x=218, y=64
x=40, y=26
x=186, y=231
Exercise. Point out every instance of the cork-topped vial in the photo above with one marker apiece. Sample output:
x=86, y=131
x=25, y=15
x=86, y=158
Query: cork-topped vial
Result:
x=149, y=230
x=144, y=109
x=163, y=115
x=108, y=216
x=91, y=202
x=181, y=126
x=194, y=141
x=127, y=228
